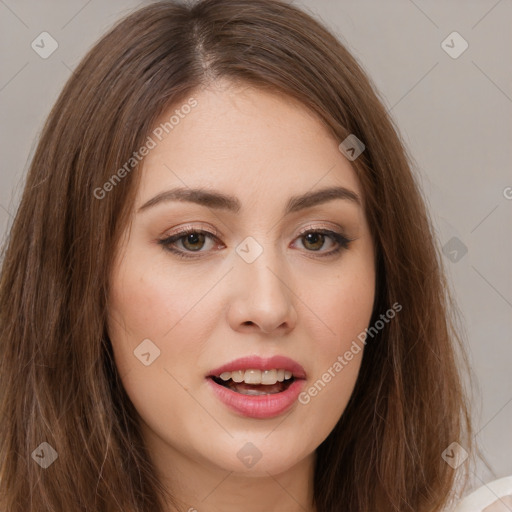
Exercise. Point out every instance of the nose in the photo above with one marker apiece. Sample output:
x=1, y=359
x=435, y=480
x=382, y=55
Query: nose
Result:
x=261, y=296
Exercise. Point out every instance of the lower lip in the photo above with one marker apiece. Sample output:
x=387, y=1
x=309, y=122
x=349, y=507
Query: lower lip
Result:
x=258, y=406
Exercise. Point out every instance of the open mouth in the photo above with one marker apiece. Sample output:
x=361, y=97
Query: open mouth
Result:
x=254, y=389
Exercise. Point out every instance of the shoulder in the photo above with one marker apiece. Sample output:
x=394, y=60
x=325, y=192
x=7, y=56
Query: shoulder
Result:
x=495, y=496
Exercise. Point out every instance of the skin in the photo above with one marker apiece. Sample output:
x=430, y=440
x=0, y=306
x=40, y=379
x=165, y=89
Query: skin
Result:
x=205, y=311
x=504, y=504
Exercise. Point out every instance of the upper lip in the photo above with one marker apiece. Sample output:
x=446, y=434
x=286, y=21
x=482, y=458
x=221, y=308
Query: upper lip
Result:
x=259, y=363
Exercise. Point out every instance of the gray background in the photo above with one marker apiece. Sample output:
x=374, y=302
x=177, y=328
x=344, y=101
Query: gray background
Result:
x=454, y=115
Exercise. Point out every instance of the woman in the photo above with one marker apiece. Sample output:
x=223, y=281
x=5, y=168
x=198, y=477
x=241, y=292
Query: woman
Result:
x=303, y=359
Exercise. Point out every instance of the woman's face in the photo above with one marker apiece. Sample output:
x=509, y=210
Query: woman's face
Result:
x=246, y=283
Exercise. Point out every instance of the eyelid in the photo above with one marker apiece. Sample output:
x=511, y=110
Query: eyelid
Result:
x=326, y=226
x=217, y=234
x=194, y=227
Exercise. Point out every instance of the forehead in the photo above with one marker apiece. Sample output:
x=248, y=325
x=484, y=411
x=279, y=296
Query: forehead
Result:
x=244, y=140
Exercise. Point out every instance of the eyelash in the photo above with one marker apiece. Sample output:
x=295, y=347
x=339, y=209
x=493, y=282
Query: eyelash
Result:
x=342, y=241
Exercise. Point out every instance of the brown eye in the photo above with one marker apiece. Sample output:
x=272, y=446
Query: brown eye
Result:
x=193, y=241
x=190, y=241
x=314, y=240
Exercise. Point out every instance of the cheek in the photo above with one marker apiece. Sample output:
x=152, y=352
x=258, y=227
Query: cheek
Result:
x=348, y=308
x=172, y=309
x=345, y=305
x=345, y=308
x=146, y=303
x=145, y=306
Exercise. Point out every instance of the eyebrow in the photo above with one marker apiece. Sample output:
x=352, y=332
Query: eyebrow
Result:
x=218, y=200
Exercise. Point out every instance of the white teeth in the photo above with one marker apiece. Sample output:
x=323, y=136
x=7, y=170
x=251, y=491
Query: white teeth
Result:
x=252, y=377
x=269, y=376
x=238, y=376
x=266, y=377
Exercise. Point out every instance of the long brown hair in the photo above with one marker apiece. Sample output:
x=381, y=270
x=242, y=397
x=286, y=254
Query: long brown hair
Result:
x=58, y=382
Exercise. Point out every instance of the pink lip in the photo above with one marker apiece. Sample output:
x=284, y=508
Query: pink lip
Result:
x=259, y=406
x=258, y=363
